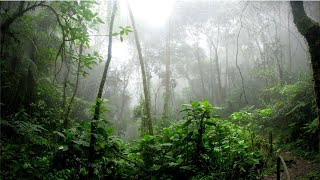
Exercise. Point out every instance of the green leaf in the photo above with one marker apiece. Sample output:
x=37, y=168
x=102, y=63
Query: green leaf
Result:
x=209, y=123
x=173, y=164
x=155, y=167
x=166, y=144
x=81, y=142
x=59, y=134
x=148, y=137
x=186, y=167
x=99, y=20
x=206, y=104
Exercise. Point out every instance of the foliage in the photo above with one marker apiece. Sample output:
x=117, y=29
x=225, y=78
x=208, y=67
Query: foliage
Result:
x=225, y=149
x=293, y=107
x=124, y=31
x=45, y=64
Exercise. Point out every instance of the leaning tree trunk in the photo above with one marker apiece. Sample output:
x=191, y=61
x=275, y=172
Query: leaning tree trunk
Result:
x=144, y=77
x=311, y=31
x=97, y=112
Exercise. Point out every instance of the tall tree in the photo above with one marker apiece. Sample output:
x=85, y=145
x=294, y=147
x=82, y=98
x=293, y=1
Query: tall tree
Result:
x=97, y=108
x=311, y=31
x=146, y=91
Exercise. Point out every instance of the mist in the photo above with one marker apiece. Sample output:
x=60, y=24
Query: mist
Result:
x=160, y=89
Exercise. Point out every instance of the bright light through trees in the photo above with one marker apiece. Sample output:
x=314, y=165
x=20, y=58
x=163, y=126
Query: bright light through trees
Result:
x=152, y=12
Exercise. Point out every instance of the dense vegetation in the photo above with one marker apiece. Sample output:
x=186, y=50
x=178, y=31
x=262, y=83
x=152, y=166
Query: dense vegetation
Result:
x=217, y=93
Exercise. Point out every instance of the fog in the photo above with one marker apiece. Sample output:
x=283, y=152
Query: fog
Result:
x=251, y=38
x=159, y=89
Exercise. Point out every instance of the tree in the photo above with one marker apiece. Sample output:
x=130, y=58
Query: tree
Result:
x=311, y=32
x=97, y=109
x=144, y=77
x=168, y=74
x=66, y=121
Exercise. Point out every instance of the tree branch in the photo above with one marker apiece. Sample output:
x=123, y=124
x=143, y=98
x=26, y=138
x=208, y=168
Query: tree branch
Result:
x=243, y=88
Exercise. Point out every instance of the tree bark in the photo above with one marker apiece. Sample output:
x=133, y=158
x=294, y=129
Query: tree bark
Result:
x=144, y=77
x=311, y=31
x=96, y=115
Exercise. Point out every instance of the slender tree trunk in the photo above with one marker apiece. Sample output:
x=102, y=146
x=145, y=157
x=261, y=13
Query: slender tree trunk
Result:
x=220, y=99
x=190, y=83
x=227, y=70
x=200, y=71
x=311, y=31
x=97, y=112
x=212, y=79
x=144, y=77
x=66, y=118
x=155, y=104
x=278, y=51
x=289, y=43
x=156, y=97
x=125, y=85
x=166, y=111
x=64, y=95
x=216, y=58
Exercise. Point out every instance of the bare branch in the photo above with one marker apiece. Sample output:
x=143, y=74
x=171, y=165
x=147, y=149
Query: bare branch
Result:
x=243, y=88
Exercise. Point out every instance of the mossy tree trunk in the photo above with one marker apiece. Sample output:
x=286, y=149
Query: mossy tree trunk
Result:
x=311, y=31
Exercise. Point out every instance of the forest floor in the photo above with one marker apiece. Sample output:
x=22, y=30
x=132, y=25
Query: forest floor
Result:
x=298, y=168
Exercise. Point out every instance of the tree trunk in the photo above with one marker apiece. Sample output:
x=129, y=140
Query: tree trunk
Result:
x=311, y=31
x=216, y=59
x=200, y=71
x=190, y=83
x=144, y=77
x=66, y=118
x=227, y=71
x=64, y=96
x=278, y=50
x=212, y=79
x=125, y=85
x=96, y=115
x=167, y=81
x=289, y=44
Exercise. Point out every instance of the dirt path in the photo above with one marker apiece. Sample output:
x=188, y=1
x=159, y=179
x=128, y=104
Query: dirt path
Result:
x=298, y=168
